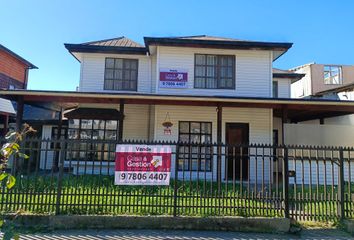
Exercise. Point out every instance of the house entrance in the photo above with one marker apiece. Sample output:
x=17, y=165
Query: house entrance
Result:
x=236, y=157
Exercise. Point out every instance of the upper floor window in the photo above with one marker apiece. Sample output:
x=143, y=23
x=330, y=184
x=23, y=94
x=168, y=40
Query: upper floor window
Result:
x=214, y=71
x=333, y=75
x=121, y=74
x=275, y=89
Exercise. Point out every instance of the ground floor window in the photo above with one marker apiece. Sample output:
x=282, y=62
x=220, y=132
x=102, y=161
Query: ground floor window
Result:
x=91, y=129
x=195, y=158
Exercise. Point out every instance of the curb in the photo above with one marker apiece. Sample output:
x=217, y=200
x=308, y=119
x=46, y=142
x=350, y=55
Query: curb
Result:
x=64, y=222
x=349, y=226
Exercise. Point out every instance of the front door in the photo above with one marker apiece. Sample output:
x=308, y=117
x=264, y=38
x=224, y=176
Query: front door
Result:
x=237, y=157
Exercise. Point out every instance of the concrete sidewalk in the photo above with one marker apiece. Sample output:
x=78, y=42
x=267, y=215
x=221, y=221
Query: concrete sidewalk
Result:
x=314, y=234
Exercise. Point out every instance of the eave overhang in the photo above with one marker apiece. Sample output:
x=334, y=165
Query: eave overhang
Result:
x=72, y=48
x=297, y=109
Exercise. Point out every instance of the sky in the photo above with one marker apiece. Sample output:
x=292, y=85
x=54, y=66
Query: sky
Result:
x=322, y=31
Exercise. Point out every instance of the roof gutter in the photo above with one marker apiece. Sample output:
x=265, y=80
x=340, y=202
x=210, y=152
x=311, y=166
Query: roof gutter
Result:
x=104, y=49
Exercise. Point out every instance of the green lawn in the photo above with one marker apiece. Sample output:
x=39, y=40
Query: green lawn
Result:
x=98, y=195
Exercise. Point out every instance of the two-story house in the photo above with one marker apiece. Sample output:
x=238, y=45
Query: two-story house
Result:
x=13, y=75
x=196, y=89
x=207, y=66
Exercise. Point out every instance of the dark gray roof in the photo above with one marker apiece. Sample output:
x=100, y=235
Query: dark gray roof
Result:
x=280, y=73
x=29, y=65
x=115, y=42
x=121, y=45
x=215, y=42
x=206, y=37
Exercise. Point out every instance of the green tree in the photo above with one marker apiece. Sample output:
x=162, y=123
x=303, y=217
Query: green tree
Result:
x=11, y=148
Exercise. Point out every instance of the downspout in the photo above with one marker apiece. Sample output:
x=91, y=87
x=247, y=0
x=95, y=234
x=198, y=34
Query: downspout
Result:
x=25, y=82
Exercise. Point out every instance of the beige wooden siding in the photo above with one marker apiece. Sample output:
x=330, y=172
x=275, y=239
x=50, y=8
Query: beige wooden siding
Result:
x=136, y=121
x=253, y=70
x=260, y=126
x=93, y=66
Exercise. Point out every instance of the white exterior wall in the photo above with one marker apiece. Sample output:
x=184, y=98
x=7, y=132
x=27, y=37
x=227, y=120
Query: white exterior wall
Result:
x=303, y=87
x=253, y=71
x=319, y=135
x=284, y=87
x=93, y=66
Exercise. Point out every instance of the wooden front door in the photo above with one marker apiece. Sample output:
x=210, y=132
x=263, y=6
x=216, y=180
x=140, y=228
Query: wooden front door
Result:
x=237, y=157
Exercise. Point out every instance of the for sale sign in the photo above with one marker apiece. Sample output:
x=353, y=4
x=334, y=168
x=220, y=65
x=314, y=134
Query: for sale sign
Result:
x=173, y=78
x=142, y=164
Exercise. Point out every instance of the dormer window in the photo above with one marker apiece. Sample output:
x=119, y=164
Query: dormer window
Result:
x=214, y=71
x=333, y=74
x=121, y=74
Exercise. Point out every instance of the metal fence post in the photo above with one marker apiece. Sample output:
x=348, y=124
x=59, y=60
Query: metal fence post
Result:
x=286, y=183
x=175, y=191
x=341, y=204
x=60, y=176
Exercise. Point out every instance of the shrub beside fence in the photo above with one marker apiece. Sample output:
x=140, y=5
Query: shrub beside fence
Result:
x=77, y=177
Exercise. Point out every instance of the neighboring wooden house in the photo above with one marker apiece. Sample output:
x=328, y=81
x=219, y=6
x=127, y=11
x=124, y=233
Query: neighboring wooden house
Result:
x=13, y=75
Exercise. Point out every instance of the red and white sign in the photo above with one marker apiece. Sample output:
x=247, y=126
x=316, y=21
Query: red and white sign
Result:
x=173, y=78
x=142, y=164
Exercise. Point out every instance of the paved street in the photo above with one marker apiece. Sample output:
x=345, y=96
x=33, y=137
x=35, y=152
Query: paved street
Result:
x=182, y=235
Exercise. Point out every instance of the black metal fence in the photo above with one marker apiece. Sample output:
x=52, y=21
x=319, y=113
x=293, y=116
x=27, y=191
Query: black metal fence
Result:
x=77, y=177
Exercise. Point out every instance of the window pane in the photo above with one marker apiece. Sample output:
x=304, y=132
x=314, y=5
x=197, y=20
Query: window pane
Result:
x=200, y=59
x=184, y=127
x=199, y=82
x=205, y=139
x=210, y=71
x=184, y=137
x=119, y=63
x=118, y=74
x=109, y=74
x=85, y=134
x=86, y=124
x=229, y=83
x=195, y=127
x=206, y=128
x=111, y=124
x=195, y=138
x=194, y=165
x=134, y=65
x=117, y=84
x=108, y=84
x=111, y=135
x=211, y=83
x=98, y=124
x=211, y=60
x=74, y=123
x=133, y=75
x=126, y=75
x=200, y=71
x=222, y=83
x=132, y=85
x=229, y=72
x=73, y=134
x=109, y=63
